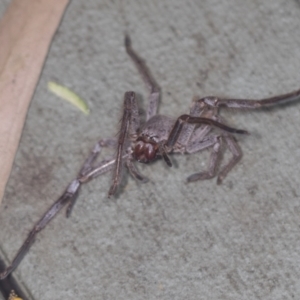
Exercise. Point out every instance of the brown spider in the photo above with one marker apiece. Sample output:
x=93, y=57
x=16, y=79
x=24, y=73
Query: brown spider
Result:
x=156, y=138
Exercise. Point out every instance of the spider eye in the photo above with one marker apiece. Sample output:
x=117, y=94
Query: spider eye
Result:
x=145, y=152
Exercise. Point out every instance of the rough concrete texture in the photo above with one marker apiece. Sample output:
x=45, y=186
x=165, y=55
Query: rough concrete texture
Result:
x=165, y=239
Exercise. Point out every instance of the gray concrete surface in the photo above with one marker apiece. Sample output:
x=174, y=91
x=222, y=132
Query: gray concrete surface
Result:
x=165, y=239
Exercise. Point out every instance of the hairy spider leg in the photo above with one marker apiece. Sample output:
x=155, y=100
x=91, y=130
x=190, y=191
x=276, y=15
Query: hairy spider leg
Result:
x=134, y=172
x=177, y=128
x=129, y=126
x=86, y=173
x=147, y=77
x=212, y=141
x=199, y=142
x=250, y=103
x=88, y=165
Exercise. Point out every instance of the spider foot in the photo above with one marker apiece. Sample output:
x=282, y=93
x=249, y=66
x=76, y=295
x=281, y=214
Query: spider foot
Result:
x=200, y=176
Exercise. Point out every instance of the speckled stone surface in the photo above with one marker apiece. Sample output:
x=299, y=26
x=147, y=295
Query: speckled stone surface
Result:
x=165, y=239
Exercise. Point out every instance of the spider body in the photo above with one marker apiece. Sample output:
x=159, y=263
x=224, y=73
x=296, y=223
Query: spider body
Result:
x=158, y=137
x=153, y=132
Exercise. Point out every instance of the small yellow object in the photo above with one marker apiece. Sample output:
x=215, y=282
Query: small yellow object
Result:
x=67, y=94
x=13, y=296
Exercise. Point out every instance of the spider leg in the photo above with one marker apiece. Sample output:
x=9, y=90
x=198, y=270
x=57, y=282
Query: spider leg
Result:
x=88, y=165
x=237, y=155
x=128, y=127
x=248, y=103
x=70, y=192
x=152, y=85
x=67, y=197
x=135, y=172
x=213, y=141
x=178, y=126
x=198, y=109
x=184, y=133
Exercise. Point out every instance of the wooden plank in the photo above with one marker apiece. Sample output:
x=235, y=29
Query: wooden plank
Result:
x=26, y=31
